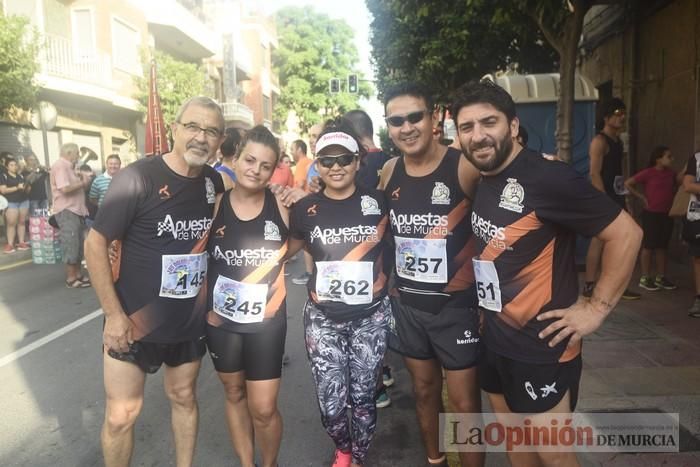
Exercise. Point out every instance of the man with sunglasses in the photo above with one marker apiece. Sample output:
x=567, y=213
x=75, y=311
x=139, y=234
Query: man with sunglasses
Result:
x=606, y=154
x=429, y=193
x=160, y=209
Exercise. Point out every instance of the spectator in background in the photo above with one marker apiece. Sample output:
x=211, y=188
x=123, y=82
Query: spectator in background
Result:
x=659, y=182
x=12, y=187
x=691, y=184
x=3, y=158
x=100, y=184
x=371, y=163
x=228, y=149
x=36, y=180
x=301, y=162
x=283, y=175
x=68, y=192
x=605, y=154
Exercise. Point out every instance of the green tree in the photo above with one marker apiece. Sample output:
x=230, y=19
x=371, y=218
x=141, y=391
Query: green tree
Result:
x=561, y=22
x=314, y=48
x=19, y=47
x=446, y=43
x=177, y=82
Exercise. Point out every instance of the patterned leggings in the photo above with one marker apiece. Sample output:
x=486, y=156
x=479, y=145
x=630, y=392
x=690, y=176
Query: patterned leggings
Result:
x=346, y=361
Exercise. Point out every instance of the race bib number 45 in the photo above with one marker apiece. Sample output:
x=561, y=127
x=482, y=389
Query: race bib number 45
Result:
x=488, y=287
x=182, y=275
x=238, y=301
x=349, y=282
x=422, y=260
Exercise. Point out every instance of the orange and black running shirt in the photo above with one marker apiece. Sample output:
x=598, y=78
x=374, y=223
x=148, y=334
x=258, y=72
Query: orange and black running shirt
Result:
x=246, y=278
x=429, y=218
x=161, y=219
x=525, y=221
x=347, y=240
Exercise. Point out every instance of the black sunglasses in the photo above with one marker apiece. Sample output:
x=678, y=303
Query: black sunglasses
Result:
x=413, y=118
x=343, y=160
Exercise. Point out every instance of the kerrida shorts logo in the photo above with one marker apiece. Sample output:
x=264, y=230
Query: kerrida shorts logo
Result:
x=441, y=194
x=512, y=196
x=272, y=232
x=211, y=191
x=369, y=206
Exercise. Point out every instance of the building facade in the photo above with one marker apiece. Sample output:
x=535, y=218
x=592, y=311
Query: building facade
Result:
x=648, y=53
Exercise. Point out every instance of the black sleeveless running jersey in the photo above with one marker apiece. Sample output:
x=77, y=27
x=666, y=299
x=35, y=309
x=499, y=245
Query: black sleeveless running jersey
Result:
x=246, y=279
x=348, y=241
x=611, y=169
x=429, y=218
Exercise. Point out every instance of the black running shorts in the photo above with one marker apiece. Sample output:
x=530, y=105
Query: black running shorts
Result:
x=258, y=354
x=529, y=387
x=657, y=228
x=451, y=336
x=149, y=356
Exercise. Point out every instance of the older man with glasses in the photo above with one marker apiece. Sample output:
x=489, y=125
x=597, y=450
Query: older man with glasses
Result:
x=159, y=209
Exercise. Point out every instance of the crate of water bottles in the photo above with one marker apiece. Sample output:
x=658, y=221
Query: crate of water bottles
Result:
x=46, y=246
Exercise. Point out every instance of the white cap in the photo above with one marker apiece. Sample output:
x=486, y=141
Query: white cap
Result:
x=339, y=138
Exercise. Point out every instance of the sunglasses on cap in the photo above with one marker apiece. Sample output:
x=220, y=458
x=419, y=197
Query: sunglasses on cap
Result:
x=413, y=118
x=343, y=160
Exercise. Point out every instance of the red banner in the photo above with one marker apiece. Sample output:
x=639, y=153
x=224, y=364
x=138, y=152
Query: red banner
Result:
x=156, y=136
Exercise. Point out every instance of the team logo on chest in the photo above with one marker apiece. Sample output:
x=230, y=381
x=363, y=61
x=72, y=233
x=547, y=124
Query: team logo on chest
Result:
x=272, y=232
x=211, y=191
x=441, y=194
x=369, y=206
x=512, y=196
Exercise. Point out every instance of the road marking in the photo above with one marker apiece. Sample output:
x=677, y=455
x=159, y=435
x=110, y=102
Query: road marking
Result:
x=7, y=359
x=14, y=265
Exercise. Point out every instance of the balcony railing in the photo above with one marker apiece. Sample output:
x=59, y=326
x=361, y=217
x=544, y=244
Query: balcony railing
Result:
x=61, y=57
x=237, y=111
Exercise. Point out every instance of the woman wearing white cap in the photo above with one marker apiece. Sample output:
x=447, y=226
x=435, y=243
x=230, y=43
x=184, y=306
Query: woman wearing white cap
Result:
x=347, y=315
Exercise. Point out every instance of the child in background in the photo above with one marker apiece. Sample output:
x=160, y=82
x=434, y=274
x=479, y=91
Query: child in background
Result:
x=660, y=182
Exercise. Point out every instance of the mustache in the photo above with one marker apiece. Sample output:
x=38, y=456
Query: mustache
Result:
x=195, y=145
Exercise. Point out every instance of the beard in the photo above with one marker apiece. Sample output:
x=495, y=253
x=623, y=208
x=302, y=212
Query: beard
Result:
x=502, y=150
x=193, y=159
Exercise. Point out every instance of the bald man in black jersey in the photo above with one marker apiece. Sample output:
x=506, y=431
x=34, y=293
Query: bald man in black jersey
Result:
x=160, y=209
x=429, y=193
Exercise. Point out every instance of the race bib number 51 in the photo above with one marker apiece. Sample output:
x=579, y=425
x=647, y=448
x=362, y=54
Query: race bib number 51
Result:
x=488, y=287
x=238, y=301
x=349, y=282
x=422, y=260
x=182, y=275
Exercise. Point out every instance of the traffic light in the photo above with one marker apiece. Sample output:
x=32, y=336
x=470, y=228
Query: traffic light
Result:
x=352, y=83
x=334, y=84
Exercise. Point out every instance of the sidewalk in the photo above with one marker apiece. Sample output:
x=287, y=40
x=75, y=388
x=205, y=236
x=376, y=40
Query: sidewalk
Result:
x=646, y=357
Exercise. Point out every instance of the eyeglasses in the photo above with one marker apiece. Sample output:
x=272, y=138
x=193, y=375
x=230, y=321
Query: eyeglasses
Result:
x=194, y=129
x=343, y=160
x=413, y=118
x=619, y=112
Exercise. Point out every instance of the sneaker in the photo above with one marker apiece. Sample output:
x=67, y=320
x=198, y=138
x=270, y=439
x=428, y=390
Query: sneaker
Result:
x=8, y=249
x=694, y=311
x=588, y=289
x=342, y=459
x=302, y=279
x=631, y=295
x=647, y=283
x=382, y=400
x=23, y=246
x=664, y=283
x=387, y=379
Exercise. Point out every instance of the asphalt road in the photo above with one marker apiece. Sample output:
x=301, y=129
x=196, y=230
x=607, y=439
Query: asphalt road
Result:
x=52, y=401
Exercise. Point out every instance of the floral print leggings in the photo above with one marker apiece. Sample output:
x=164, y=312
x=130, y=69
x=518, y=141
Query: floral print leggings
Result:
x=346, y=362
